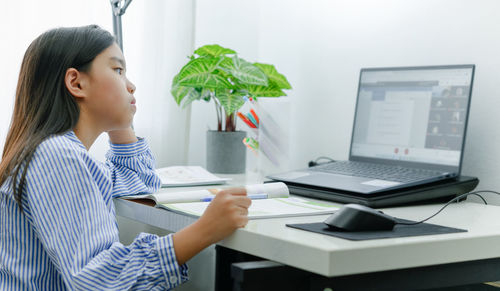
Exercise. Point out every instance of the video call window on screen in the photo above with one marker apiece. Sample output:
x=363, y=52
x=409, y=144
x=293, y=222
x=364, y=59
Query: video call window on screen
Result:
x=447, y=117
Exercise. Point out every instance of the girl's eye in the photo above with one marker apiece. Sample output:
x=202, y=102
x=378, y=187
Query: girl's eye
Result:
x=119, y=70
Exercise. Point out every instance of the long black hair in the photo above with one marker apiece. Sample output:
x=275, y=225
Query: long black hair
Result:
x=43, y=105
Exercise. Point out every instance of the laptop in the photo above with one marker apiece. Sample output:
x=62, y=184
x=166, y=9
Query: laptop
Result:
x=409, y=130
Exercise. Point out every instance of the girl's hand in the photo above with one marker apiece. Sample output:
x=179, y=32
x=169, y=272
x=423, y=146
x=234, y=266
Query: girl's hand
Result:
x=227, y=212
x=122, y=136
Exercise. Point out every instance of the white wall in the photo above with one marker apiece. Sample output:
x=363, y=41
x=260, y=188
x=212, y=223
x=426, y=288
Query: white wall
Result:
x=321, y=45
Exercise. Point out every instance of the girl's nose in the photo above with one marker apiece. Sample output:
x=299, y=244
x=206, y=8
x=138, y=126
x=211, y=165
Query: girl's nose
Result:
x=131, y=87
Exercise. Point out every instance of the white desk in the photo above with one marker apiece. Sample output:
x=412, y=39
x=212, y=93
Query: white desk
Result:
x=330, y=256
x=335, y=257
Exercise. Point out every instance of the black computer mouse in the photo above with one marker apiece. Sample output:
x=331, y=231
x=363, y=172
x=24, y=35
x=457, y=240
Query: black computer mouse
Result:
x=355, y=217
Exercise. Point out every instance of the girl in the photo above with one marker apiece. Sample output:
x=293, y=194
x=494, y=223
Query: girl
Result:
x=57, y=220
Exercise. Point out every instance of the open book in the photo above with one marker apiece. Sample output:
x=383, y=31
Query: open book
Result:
x=268, y=200
x=177, y=176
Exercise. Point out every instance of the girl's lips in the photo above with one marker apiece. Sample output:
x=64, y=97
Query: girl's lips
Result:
x=133, y=102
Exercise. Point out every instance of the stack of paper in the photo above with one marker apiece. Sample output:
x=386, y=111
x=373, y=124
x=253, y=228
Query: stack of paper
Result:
x=178, y=176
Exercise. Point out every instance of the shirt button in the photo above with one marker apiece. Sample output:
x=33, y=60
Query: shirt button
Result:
x=173, y=280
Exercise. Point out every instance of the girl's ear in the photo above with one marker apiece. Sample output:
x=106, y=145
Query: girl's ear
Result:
x=74, y=81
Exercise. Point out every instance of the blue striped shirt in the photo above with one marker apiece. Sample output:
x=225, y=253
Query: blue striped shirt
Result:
x=67, y=236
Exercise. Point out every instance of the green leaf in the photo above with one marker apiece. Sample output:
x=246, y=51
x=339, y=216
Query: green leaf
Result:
x=230, y=102
x=206, y=94
x=247, y=73
x=192, y=95
x=188, y=94
x=200, y=73
x=205, y=80
x=265, y=91
x=226, y=64
x=175, y=90
x=199, y=65
x=274, y=76
x=213, y=50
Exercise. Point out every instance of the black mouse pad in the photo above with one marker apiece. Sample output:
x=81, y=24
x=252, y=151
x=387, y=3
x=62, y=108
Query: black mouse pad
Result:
x=398, y=230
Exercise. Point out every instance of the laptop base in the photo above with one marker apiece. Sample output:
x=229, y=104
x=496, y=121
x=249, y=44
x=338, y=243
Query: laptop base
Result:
x=436, y=192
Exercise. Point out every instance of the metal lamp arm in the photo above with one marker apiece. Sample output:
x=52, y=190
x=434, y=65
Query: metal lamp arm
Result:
x=119, y=7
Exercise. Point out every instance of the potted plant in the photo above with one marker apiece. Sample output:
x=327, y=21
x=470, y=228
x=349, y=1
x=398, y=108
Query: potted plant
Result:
x=214, y=73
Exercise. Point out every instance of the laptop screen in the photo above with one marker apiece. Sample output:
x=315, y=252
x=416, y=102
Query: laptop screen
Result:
x=413, y=115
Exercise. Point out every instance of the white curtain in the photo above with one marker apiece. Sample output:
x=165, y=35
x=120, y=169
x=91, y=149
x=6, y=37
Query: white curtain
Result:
x=157, y=36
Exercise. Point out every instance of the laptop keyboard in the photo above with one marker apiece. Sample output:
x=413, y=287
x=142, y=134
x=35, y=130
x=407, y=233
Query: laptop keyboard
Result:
x=377, y=171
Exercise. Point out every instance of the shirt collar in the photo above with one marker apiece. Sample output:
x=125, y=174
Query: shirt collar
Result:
x=72, y=136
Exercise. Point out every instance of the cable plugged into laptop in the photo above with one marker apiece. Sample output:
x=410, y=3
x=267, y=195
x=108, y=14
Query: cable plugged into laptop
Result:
x=320, y=160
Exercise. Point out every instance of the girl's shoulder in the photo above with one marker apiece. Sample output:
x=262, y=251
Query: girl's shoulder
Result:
x=61, y=145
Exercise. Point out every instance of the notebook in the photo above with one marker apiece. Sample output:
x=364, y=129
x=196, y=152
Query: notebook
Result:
x=268, y=201
x=409, y=130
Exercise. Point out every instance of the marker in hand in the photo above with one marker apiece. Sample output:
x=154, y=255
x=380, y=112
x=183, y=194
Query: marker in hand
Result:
x=251, y=196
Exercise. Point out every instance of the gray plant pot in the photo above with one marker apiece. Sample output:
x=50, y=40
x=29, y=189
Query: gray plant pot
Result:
x=226, y=153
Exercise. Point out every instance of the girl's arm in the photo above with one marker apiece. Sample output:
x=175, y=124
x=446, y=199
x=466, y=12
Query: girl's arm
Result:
x=131, y=164
x=228, y=211
x=77, y=228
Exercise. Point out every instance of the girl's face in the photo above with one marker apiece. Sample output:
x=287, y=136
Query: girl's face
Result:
x=110, y=103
